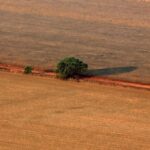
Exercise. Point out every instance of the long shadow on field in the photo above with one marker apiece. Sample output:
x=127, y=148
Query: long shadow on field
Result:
x=110, y=71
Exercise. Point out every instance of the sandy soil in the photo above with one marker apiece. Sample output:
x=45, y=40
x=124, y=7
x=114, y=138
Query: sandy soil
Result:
x=42, y=113
x=104, y=33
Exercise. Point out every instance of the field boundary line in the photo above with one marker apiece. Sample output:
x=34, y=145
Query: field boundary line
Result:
x=101, y=80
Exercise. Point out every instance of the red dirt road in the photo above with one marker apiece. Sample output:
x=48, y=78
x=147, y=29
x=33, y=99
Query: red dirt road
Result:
x=102, y=80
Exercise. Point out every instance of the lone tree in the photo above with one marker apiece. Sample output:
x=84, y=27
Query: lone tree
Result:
x=71, y=67
x=28, y=70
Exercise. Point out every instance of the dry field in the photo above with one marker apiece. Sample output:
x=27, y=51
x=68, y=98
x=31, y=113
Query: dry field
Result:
x=47, y=114
x=104, y=33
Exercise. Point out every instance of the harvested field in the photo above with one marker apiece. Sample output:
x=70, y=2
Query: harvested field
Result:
x=43, y=113
x=107, y=34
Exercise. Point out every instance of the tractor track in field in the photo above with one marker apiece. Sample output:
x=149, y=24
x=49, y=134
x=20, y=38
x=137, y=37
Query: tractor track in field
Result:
x=102, y=80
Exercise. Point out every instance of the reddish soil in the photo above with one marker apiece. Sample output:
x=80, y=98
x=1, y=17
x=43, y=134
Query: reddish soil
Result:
x=102, y=80
x=110, y=81
x=20, y=69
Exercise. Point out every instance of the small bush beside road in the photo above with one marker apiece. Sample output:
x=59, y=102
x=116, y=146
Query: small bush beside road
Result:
x=28, y=70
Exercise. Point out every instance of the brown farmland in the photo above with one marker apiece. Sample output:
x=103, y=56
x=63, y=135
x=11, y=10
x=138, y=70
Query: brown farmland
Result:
x=111, y=34
x=38, y=113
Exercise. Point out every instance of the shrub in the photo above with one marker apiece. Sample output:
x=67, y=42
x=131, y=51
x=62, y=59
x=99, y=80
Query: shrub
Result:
x=28, y=70
x=71, y=67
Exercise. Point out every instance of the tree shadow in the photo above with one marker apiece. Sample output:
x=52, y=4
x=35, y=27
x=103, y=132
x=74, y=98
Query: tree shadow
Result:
x=110, y=71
